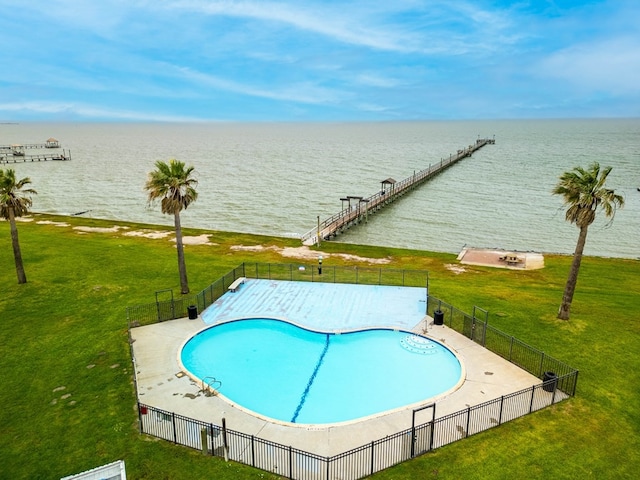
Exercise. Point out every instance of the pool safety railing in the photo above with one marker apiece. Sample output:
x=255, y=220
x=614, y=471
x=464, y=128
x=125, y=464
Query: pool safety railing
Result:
x=171, y=308
x=210, y=386
x=558, y=383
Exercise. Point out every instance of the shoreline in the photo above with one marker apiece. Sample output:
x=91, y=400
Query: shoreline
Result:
x=472, y=259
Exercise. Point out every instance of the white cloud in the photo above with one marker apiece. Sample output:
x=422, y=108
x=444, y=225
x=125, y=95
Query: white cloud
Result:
x=371, y=107
x=611, y=65
x=375, y=80
x=341, y=23
x=78, y=110
x=303, y=92
x=256, y=59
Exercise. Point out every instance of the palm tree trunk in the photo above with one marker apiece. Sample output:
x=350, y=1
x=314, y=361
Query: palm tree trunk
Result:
x=569, y=289
x=182, y=267
x=17, y=254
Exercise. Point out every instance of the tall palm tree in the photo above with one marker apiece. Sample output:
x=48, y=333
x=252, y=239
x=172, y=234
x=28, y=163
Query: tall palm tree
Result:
x=584, y=192
x=174, y=184
x=15, y=201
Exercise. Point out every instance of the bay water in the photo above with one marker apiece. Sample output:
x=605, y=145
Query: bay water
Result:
x=277, y=178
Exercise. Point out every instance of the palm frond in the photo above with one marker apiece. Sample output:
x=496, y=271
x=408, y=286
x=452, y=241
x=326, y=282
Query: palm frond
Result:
x=14, y=198
x=173, y=184
x=584, y=192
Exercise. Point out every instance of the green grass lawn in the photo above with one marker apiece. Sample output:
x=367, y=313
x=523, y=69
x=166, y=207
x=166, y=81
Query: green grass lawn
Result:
x=67, y=398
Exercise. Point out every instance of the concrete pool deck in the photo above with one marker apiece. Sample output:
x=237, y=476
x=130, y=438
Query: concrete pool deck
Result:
x=325, y=306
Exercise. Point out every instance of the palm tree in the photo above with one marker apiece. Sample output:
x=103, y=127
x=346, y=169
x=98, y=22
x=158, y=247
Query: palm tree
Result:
x=173, y=184
x=583, y=192
x=15, y=201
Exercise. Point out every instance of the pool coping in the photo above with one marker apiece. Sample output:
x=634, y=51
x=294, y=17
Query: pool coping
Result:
x=162, y=384
x=413, y=405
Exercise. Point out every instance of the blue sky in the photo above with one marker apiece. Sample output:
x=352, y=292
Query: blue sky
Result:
x=297, y=60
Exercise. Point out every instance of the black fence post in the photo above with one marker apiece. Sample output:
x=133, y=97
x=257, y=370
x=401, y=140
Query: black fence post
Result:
x=290, y=462
x=225, y=444
x=468, y=421
x=473, y=329
x=432, y=434
x=413, y=435
x=173, y=422
x=141, y=427
x=372, y=448
x=433, y=426
x=533, y=390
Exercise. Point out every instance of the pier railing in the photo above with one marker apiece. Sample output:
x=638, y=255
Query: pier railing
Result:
x=344, y=219
x=42, y=157
x=27, y=146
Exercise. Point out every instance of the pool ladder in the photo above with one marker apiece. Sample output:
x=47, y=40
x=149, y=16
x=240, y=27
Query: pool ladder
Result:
x=210, y=386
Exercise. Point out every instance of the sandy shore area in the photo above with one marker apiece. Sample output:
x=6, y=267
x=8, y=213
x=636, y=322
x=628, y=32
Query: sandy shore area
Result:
x=501, y=258
x=497, y=258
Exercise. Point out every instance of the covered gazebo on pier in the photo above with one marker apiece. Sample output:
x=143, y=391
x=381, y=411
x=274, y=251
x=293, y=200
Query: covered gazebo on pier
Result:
x=387, y=183
x=52, y=143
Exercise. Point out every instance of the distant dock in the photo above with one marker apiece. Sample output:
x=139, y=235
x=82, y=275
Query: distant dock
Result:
x=16, y=153
x=44, y=157
x=356, y=209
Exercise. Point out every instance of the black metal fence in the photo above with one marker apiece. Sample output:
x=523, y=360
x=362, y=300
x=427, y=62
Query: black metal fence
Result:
x=530, y=359
x=558, y=382
x=171, y=309
x=356, y=463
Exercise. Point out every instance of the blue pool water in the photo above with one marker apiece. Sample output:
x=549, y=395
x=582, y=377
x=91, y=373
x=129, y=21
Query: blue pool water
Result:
x=295, y=375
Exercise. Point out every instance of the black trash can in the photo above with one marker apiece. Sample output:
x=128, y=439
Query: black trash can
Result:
x=193, y=312
x=438, y=317
x=550, y=380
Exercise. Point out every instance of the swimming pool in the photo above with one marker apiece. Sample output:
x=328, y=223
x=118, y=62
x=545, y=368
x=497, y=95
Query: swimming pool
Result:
x=291, y=374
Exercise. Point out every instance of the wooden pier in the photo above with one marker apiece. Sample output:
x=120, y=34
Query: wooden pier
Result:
x=50, y=143
x=357, y=209
x=6, y=158
x=16, y=153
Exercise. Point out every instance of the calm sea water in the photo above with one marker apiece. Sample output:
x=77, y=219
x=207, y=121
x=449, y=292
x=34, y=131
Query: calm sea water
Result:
x=276, y=179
